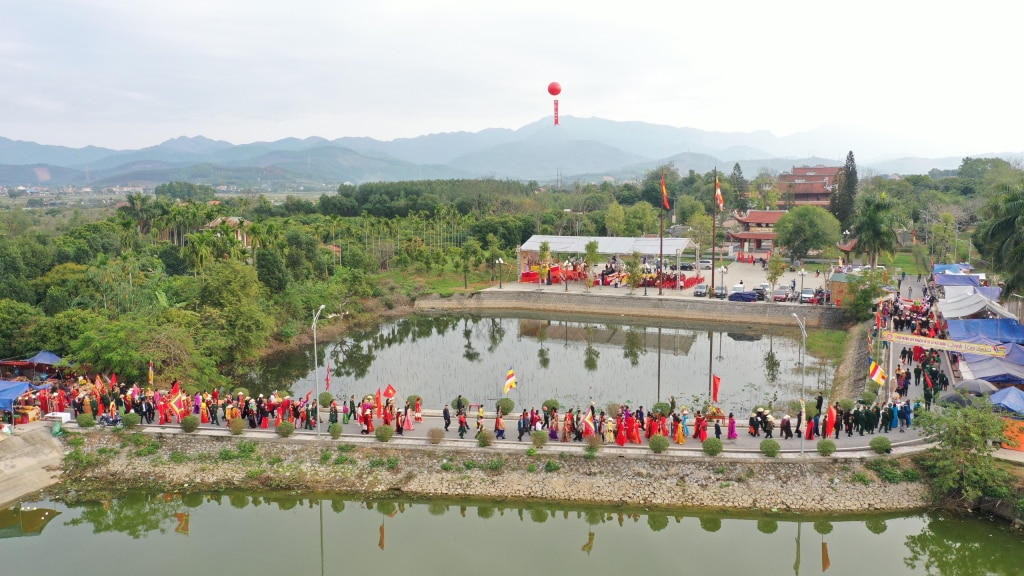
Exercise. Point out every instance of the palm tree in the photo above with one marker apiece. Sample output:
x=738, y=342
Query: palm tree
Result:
x=1004, y=237
x=874, y=224
x=198, y=250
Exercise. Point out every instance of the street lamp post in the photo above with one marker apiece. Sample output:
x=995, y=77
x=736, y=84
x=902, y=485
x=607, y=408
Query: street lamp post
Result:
x=723, y=271
x=316, y=372
x=803, y=355
x=801, y=274
x=500, y=263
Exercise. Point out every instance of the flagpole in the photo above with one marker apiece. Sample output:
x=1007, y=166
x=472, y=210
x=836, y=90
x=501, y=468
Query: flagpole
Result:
x=316, y=372
x=714, y=233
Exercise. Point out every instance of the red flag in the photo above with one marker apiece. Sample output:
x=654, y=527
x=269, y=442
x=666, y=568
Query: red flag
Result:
x=328, y=376
x=714, y=390
x=380, y=405
x=113, y=380
x=182, y=527
x=390, y=392
x=928, y=379
x=826, y=563
x=878, y=320
x=308, y=394
x=664, y=193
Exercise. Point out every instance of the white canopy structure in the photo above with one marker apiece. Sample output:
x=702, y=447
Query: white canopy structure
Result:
x=607, y=245
x=969, y=304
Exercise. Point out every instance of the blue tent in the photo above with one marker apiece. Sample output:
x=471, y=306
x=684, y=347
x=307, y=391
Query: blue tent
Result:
x=10, y=391
x=957, y=280
x=1009, y=398
x=1003, y=330
x=45, y=357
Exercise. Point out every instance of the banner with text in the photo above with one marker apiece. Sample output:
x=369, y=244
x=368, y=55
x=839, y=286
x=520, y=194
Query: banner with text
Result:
x=996, y=350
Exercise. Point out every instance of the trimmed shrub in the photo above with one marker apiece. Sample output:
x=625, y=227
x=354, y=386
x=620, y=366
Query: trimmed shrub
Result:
x=412, y=400
x=131, y=420
x=465, y=403
x=770, y=448
x=85, y=420
x=237, y=426
x=190, y=423
x=285, y=429
x=539, y=438
x=506, y=405
x=190, y=390
x=826, y=447
x=612, y=409
x=847, y=404
x=712, y=447
x=594, y=442
x=325, y=399
x=335, y=430
x=384, y=433
x=552, y=403
x=435, y=435
x=658, y=443
x=485, y=438
x=881, y=445
x=868, y=397
x=663, y=407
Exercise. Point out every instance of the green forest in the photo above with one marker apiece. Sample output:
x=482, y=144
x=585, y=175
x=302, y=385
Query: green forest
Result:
x=203, y=285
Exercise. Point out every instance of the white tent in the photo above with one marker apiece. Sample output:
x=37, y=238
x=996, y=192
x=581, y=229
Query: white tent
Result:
x=968, y=304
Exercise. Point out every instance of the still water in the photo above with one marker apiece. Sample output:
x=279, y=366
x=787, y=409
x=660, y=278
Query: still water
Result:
x=220, y=534
x=574, y=359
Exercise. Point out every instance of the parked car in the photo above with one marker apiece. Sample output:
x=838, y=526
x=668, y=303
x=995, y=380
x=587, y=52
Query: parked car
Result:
x=700, y=290
x=781, y=295
x=806, y=295
x=705, y=264
x=686, y=266
x=737, y=288
x=761, y=293
x=720, y=292
x=743, y=297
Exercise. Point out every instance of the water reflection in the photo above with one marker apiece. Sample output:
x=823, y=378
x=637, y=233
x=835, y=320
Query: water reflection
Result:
x=431, y=534
x=438, y=357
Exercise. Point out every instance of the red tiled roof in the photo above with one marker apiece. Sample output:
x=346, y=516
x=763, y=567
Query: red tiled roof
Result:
x=817, y=170
x=760, y=216
x=752, y=235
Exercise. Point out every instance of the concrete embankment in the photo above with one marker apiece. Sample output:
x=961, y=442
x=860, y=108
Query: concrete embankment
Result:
x=620, y=303
x=30, y=460
x=364, y=467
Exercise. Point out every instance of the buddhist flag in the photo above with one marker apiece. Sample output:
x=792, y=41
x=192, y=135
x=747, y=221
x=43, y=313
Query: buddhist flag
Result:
x=510, y=380
x=928, y=379
x=98, y=385
x=182, y=527
x=876, y=373
x=716, y=383
x=390, y=391
x=718, y=195
x=664, y=192
x=150, y=372
x=588, y=424
x=328, y=379
x=825, y=562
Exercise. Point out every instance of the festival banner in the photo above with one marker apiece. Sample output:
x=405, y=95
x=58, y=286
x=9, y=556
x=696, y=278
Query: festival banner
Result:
x=997, y=350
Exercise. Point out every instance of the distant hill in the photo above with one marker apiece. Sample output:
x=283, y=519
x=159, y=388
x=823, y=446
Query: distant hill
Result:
x=582, y=149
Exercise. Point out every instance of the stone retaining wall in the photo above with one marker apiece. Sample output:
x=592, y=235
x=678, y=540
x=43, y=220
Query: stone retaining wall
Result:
x=637, y=305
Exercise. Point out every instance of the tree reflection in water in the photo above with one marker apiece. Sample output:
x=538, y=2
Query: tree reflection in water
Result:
x=953, y=547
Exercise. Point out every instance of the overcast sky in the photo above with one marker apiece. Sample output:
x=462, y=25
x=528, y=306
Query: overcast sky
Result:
x=133, y=73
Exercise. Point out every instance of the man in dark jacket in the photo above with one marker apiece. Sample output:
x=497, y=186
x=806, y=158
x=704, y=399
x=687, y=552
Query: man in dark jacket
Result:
x=447, y=417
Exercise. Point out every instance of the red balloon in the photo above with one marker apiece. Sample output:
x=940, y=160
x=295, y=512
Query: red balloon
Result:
x=554, y=88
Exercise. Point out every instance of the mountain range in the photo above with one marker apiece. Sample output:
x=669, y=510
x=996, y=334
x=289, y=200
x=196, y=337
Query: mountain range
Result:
x=580, y=149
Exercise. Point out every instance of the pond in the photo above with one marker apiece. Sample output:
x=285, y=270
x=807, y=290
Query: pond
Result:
x=266, y=534
x=575, y=359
